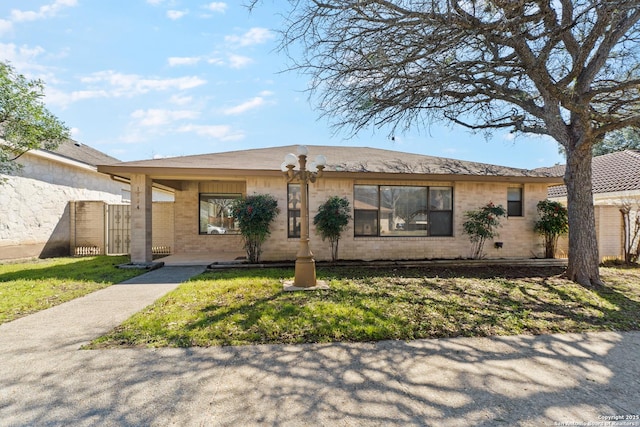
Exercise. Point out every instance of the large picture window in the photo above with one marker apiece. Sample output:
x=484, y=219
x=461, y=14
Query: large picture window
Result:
x=389, y=210
x=215, y=214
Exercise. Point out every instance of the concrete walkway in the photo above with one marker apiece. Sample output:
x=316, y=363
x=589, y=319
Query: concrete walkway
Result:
x=45, y=380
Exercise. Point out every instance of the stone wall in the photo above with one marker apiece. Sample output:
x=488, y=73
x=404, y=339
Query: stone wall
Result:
x=519, y=240
x=34, y=205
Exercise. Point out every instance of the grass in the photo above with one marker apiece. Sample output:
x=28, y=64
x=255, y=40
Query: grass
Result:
x=27, y=287
x=241, y=307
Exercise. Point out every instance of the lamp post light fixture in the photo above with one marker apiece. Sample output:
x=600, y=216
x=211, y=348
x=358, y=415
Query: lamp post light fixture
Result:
x=305, y=273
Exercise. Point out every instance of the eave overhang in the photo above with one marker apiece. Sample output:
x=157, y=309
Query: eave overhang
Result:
x=172, y=177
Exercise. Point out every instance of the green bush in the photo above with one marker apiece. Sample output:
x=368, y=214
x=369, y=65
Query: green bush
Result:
x=255, y=215
x=552, y=223
x=332, y=218
x=481, y=225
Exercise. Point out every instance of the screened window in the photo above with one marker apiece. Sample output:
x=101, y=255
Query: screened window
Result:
x=215, y=214
x=514, y=201
x=293, y=210
x=403, y=211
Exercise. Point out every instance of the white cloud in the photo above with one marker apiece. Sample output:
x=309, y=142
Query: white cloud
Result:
x=253, y=103
x=254, y=36
x=5, y=26
x=509, y=136
x=181, y=100
x=216, y=6
x=20, y=56
x=215, y=61
x=176, y=61
x=133, y=84
x=58, y=97
x=176, y=14
x=75, y=133
x=168, y=3
x=239, y=61
x=46, y=11
x=110, y=84
x=220, y=132
x=159, y=117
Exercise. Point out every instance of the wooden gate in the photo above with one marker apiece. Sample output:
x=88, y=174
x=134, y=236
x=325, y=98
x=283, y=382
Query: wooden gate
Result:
x=118, y=229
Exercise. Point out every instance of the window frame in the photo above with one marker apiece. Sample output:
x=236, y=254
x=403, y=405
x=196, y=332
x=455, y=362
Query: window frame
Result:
x=375, y=219
x=378, y=211
x=515, y=203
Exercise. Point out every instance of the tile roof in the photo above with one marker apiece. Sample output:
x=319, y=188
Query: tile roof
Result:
x=82, y=153
x=339, y=159
x=612, y=173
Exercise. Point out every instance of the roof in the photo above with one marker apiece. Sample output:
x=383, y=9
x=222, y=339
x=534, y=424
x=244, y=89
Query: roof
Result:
x=611, y=173
x=340, y=160
x=74, y=150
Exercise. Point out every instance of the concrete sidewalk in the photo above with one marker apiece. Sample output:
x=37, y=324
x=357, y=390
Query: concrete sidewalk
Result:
x=45, y=380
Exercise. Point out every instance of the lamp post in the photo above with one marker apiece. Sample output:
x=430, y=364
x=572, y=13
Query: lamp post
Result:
x=305, y=274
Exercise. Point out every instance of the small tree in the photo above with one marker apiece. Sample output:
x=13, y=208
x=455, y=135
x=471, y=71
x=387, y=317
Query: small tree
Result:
x=25, y=123
x=552, y=223
x=331, y=220
x=481, y=225
x=255, y=215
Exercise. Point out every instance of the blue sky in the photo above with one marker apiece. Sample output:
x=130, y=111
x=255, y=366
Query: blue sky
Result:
x=139, y=79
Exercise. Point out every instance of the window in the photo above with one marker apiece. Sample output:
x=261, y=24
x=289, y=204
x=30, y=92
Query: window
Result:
x=514, y=201
x=403, y=211
x=441, y=211
x=215, y=214
x=365, y=210
x=293, y=210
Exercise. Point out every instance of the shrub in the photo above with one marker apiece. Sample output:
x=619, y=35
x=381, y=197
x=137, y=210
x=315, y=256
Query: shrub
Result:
x=552, y=223
x=331, y=220
x=481, y=225
x=255, y=215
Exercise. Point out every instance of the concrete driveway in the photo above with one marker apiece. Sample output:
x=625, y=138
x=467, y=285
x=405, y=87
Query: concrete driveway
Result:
x=45, y=380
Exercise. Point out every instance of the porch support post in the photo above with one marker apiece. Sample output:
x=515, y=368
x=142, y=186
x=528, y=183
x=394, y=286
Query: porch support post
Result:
x=141, y=219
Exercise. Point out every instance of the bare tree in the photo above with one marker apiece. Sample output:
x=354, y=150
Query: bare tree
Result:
x=564, y=68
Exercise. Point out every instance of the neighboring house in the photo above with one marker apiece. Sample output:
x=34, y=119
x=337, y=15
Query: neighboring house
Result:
x=35, y=199
x=615, y=182
x=405, y=206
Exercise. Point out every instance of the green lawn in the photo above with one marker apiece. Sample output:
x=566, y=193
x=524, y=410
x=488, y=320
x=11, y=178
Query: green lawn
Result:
x=28, y=287
x=248, y=306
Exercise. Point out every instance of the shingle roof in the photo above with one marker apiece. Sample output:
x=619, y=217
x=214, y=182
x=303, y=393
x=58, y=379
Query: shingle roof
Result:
x=612, y=173
x=82, y=153
x=339, y=159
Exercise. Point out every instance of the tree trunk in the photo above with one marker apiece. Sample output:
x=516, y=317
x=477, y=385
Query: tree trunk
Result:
x=583, y=244
x=550, y=246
